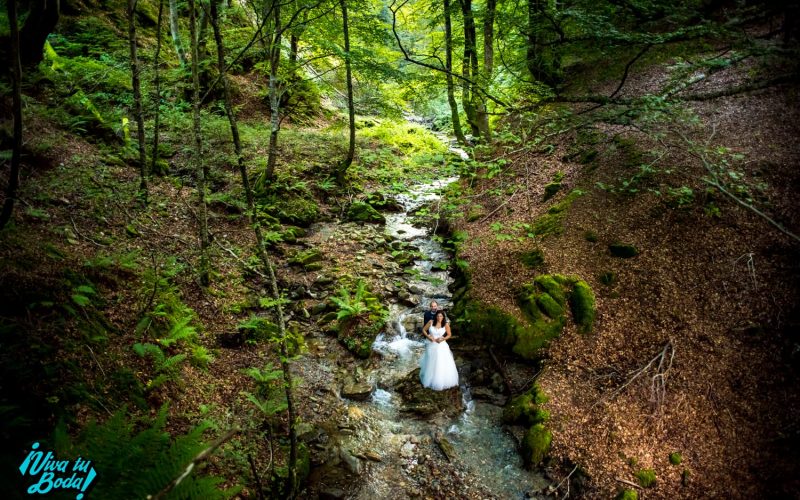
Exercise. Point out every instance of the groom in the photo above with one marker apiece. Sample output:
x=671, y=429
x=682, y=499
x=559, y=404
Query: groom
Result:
x=430, y=314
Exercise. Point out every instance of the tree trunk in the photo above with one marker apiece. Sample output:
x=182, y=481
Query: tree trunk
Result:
x=451, y=97
x=198, y=140
x=157, y=84
x=16, y=75
x=175, y=31
x=469, y=67
x=351, y=110
x=488, y=66
x=274, y=51
x=137, y=100
x=39, y=23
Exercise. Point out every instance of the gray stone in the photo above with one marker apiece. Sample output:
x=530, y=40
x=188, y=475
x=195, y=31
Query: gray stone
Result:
x=358, y=391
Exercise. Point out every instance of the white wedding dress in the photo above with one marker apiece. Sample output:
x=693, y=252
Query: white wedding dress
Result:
x=437, y=366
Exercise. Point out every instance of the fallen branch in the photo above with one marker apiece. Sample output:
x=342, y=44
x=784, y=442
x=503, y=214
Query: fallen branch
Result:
x=552, y=489
x=623, y=481
x=658, y=382
x=502, y=370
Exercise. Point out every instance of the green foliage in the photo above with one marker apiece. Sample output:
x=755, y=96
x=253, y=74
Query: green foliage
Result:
x=646, y=477
x=135, y=463
x=165, y=368
x=269, y=397
x=361, y=317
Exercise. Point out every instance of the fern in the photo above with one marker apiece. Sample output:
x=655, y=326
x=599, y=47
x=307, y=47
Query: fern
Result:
x=134, y=464
x=181, y=330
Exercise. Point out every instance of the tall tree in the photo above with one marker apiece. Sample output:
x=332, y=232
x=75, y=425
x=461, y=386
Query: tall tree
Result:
x=351, y=110
x=157, y=85
x=16, y=75
x=470, y=93
x=39, y=23
x=260, y=244
x=200, y=177
x=137, y=100
x=448, y=61
x=272, y=43
x=488, y=65
x=175, y=31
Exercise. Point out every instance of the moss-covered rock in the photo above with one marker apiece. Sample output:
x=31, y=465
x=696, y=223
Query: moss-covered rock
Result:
x=526, y=408
x=607, y=278
x=646, y=477
x=675, y=458
x=379, y=201
x=623, y=250
x=421, y=401
x=359, y=338
x=536, y=445
x=297, y=210
x=533, y=258
x=306, y=257
x=549, y=306
x=591, y=236
x=583, y=306
x=363, y=212
x=551, y=189
x=552, y=221
x=627, y=495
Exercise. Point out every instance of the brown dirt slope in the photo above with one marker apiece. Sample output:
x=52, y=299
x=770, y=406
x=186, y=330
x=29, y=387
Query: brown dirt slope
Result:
x=717, y=291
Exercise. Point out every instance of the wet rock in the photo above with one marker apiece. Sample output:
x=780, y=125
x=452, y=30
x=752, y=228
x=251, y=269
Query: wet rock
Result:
x=407, y=298
x=358, y=391
x=332, y=494
x=426, y=402
x=372, y=455
x=352, y=463
x=319, y=308
x=488, y=395
x=416, y=290
x=446, y=446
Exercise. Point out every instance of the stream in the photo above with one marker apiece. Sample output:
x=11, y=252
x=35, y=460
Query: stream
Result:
x=485, y=451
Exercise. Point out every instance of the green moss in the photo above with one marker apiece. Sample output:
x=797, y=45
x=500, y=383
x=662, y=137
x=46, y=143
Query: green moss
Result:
x=552, y=222
x=536, y=444
x=675, y=458
x=646, y=477
x=526, y=408
x=476, y=212
x=623, y=250
x=591, y=236
x=583, y=306
x=530, y=340
x=306, y=257
x=627, y=495
x=532, y=259
x=552, y=284
x=607, y=278
x=551, y=189
x=297, y=210
x=549, y=306
x=359, y=338
x=363, y=212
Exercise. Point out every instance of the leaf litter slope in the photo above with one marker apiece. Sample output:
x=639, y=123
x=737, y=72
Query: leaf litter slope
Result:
x=729, y=394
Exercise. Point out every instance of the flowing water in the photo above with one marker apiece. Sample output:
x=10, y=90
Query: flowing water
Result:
x=485, y=450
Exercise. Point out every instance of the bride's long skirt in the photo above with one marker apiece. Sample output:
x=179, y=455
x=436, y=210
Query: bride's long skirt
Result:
x=437, y=367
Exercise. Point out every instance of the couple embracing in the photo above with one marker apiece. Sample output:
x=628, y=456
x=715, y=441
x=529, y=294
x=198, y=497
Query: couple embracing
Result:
x=437, y=366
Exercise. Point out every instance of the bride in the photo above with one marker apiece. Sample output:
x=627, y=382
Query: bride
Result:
x=437, y=367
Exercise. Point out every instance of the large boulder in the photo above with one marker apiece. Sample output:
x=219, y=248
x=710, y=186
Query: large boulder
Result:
x=427, y=402
x=363, y=212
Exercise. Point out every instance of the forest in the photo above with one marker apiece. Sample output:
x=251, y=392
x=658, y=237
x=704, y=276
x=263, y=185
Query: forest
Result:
x=223, y=222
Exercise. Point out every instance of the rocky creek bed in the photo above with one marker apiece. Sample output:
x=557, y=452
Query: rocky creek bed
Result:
x=376, y=433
